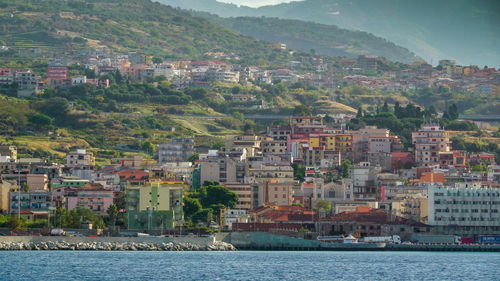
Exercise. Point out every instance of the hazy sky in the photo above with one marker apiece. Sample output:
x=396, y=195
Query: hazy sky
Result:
x=256, y=3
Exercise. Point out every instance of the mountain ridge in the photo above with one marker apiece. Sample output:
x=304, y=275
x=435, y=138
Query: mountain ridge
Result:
x=453, y=29
x=324, y=39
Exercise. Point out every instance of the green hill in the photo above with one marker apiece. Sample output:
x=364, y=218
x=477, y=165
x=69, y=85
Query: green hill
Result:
x=324, y=39
x=433, y=29
x=152, y=28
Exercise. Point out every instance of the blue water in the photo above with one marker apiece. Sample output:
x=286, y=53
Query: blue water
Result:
x=75, y=265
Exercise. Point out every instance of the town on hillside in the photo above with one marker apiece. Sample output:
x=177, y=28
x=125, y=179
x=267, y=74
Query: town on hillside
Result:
x=372, y=73
x=305, y=178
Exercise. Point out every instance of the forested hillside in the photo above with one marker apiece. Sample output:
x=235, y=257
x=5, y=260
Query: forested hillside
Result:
x=152, y=28
x=324, y=39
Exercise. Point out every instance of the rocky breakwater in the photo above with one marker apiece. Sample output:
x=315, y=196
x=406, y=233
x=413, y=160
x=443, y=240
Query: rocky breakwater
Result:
x=114, y=246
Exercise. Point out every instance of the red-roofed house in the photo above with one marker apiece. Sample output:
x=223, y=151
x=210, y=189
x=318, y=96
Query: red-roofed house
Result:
x=369, y=222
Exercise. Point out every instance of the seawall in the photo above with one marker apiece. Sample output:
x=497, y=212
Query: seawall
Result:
x=267, y=241
x=114, y=243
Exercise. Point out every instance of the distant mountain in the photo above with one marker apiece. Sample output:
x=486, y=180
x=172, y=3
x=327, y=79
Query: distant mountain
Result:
x=324, y=39
x=120, y=25
x=465, y=30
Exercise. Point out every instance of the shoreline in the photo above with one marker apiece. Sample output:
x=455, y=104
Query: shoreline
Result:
x=47, y=243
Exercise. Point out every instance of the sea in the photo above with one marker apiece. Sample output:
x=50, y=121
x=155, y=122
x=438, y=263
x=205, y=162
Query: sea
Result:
x=248, y=265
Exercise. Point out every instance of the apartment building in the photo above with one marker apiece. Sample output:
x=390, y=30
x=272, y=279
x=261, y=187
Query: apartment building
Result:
x=244, y=192
x=465, y=208
x=364, y=176
x=177, y=150
x=154, y=206
x=273, y=184
x=428, y=142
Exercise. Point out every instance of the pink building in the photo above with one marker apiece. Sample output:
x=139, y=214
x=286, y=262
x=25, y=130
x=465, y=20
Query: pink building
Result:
x=97, y=200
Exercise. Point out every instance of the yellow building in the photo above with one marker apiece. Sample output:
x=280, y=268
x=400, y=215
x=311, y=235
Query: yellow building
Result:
x=155, y=205
x=343, y=142
x=323, y=140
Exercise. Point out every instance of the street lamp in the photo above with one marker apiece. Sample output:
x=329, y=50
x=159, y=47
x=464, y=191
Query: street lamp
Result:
x=19, y=192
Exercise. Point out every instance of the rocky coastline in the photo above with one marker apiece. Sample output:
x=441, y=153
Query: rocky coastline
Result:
x=113, y=246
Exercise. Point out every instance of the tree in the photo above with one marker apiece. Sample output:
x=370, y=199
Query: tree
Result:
x=446, y=115
x=324, y=205
x=193, y=158
x=345, y=168
x=77, y=216
x=196, y=93
x=191, y=207
x=236, y=90
x=432, y=111
x=302, y=110
x=385, y=107
x=397, y=110
x=25, y=187
x=453, y=112
x=15, y=224
x=360, y=112
x=40, y=120
x=214, y=194
x=239, y=116
x=203, y=215
x=54, y=107
x=148, y=147
x=299, y=171
x=112, y=212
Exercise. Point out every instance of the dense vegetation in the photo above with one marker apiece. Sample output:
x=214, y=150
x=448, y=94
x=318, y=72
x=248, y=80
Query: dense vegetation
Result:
x=132, y=25
x=206, y=203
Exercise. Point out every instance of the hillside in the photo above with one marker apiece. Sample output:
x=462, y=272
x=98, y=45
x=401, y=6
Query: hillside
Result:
x=433, y=29
x=324, y=39
x=132, y=25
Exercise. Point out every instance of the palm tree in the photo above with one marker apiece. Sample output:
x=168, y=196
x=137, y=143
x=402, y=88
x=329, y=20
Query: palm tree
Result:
x=113, y=214
x=15, y=224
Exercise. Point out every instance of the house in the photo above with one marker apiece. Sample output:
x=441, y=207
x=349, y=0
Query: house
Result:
x=28, y=83
x=230, y=216
x=9, y=150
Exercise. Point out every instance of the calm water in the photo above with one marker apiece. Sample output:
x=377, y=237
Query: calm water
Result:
x=60, y=265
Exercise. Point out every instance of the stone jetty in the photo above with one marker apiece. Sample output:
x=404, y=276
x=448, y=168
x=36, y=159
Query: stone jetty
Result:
x=114, y=246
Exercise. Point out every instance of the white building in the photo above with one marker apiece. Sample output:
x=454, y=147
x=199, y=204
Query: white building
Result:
x=80, y=158
x=363, y=176
x=494, y=173
x=177, y=150
x=464, y=205
x=235, y=216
